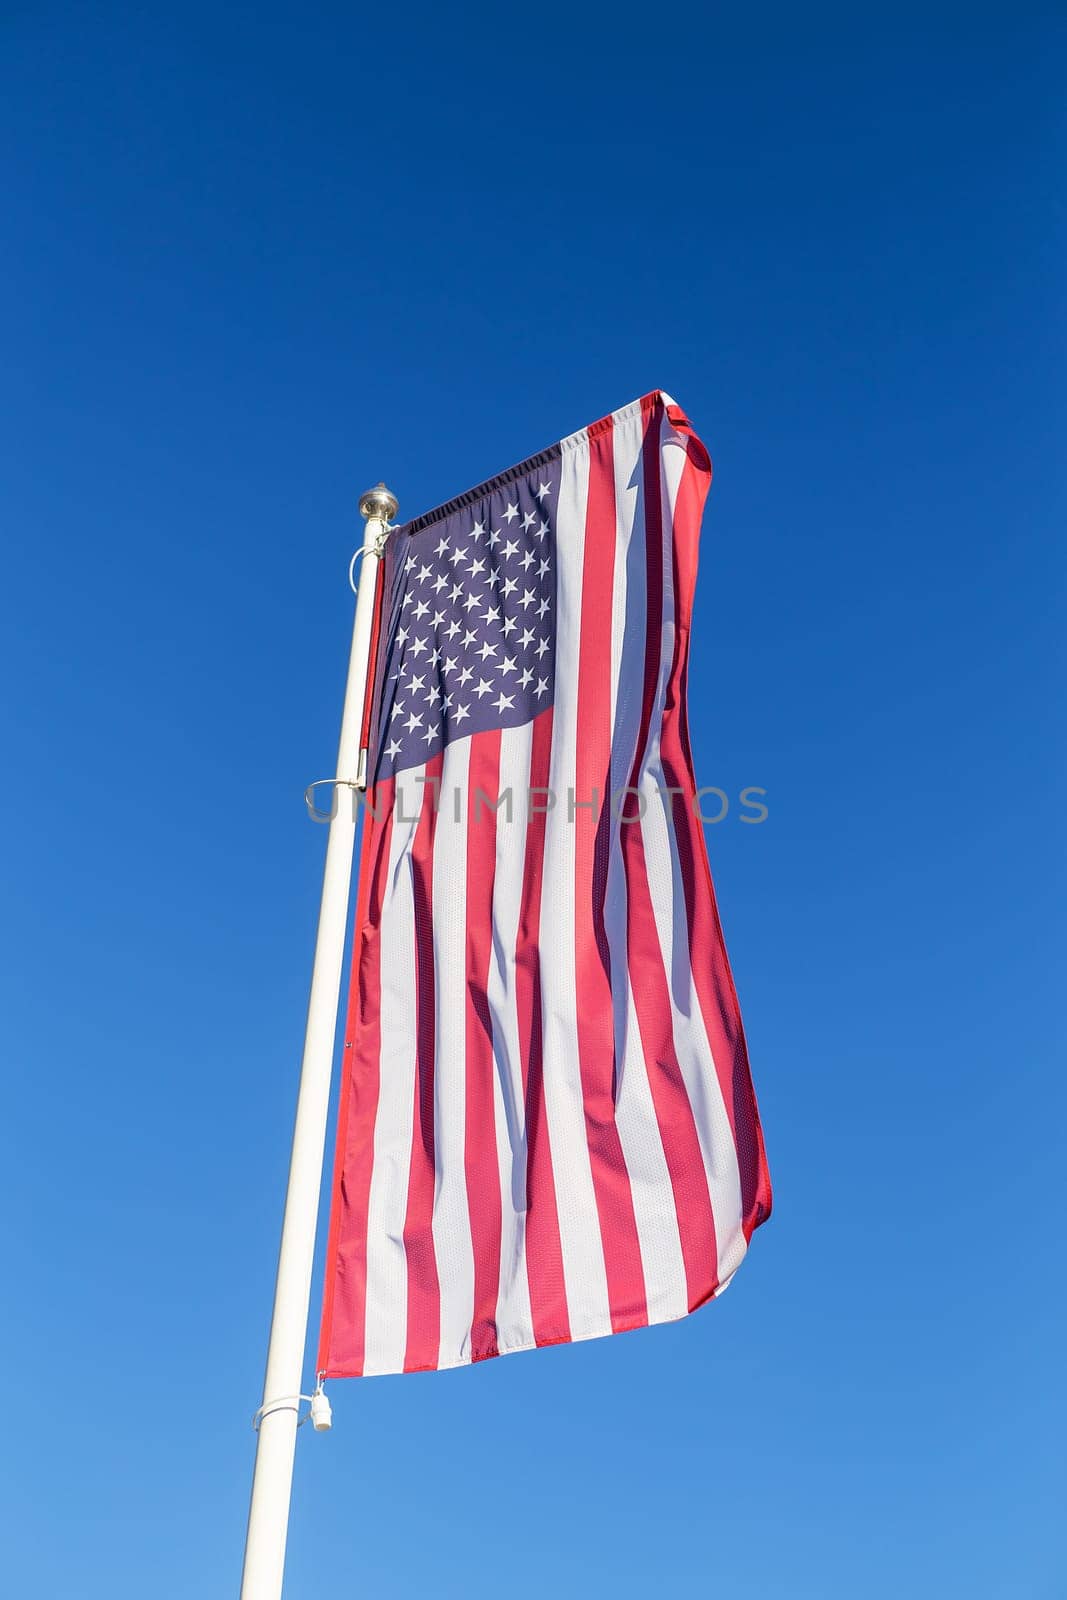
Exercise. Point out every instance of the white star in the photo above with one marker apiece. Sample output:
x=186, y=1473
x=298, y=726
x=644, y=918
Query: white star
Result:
x=492, y=615
x=468, y=638
x=504, y=702
x=408, y=598
x=434, y=694
x=542, y=687
x=528, y=520
x=439, y=582
x=415, y=685
x=461, y=712
x=542, y=648
x=450, y=664
x=441, y=548
x=527, y=677
x=528, y=598
x=471, y=601
x=413, y=721
x=477, y=531
x=493, y=578
x=452, y=629
x=446, y=702
x=510, y=585
x=509, y=625
x=542, y=529
x=542, y=490
x=419, y=646
x=422, y=574
x=507, y=665
x=431, y=733
x=392, y=748
x=421, y=609
x=526, y=637
x=435, y=657
x=487, y=650
x=511, y=547
x=527, y=561
x=494, y=539
x=397, y=711
x=457, y=590
x=483, y=688
x=437, y=619
x=401, y=636
x=466, y=675
x=476, y=567
x=409, y=564
x=543, y=568
x=458, y=555
x=543, y=608
x=511, y=513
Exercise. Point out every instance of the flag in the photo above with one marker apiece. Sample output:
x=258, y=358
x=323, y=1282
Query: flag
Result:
x=547, y=1128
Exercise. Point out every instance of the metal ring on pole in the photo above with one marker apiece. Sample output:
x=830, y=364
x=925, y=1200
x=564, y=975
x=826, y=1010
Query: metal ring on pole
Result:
x=342, y=783
x=320, y=1414
x=358, y=783
x=376, y=546
x=364, y=550
x=288, y=1402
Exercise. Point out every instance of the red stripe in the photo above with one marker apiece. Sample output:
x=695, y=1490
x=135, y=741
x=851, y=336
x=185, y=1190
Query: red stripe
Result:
x=424, y=1290
x=707, y=950
x=592, y=961
x=544, y=1254
x=480, y=1154
x=341, y=1337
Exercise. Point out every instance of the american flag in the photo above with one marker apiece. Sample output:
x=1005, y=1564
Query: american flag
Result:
x=547, y=1129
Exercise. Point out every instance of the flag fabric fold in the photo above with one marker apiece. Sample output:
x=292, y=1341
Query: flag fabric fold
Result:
x=547, y=1127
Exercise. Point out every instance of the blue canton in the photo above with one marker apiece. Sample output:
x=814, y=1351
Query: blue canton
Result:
x=470, y=620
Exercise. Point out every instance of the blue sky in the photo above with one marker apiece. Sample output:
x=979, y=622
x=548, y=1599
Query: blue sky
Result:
x=255, y=259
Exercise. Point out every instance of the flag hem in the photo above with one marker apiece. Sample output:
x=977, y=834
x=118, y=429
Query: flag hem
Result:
x=481, y=491
x=626, y=1325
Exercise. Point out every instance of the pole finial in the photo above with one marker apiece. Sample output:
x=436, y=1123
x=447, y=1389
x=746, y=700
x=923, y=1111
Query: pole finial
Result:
x=379, y=503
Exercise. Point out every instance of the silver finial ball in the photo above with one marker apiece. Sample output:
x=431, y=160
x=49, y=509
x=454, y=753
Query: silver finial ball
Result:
x=379, y=503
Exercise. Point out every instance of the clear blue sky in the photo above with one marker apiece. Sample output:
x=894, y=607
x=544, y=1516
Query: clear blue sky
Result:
x=255, y=258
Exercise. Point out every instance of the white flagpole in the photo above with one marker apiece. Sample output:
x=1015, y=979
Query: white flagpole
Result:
x=268, y=1517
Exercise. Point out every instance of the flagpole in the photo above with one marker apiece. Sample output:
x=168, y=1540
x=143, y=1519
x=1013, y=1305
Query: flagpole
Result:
x=268, y=1516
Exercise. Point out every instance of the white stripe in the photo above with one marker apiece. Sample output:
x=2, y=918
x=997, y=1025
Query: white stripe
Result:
x=514, y=1318
x=635, y=1113
x=579, y=1227
x=667, y=893
x=451, y=1218
x=691, y=1044
x=386, y=1325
